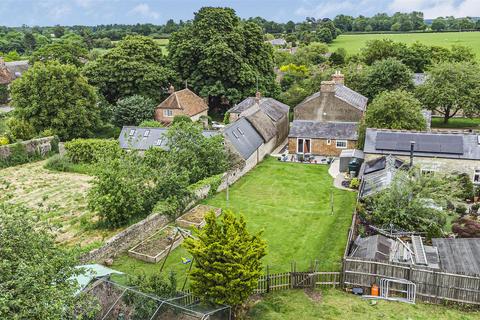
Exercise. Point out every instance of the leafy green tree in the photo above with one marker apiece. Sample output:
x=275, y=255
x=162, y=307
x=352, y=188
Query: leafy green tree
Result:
x=338, y=57
x=392, y=110
x=325, y=35
x=36, y=278
x=227, y=260
x=222, y=57
x=406, y=203
x=151, y=124
x=385, y=75
x=294, y=95
x=30, y=41
x=311, y=54
x=395, y=110
x=135, y=66
x=57, y=97
x=450, y=88
x=439, y=24
x=190, y=151
x=62, y=51
x=58, y=31
x=133, y=110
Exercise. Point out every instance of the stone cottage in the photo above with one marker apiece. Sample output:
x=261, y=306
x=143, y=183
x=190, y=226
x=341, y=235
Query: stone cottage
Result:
x=326, y=122
x=433, y=151
x=334, y=102
x=182, y=102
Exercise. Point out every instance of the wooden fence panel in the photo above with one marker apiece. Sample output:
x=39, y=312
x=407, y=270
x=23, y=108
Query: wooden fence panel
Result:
x=431, y=286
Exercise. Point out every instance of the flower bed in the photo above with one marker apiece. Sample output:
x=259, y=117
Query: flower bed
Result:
x=196, y=216
x=155, y=248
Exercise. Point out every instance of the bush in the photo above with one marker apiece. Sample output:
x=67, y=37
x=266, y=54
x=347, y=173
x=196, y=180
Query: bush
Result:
x=92, y=150
x=467, y=187
x=474, y=208
x=181, y=118
x=354, y=183
x=59, y=163
x=151, y=124
x=4, y=140
x=467, y=227
x=19, y=129
x=461, y=209
x=133, y=110
x=3, y=93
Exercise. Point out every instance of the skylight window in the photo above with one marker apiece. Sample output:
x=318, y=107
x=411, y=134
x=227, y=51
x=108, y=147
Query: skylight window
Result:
x=241, y=132
x=235, y=134
x=146, y=133
x=158, y=142
x=132, y=132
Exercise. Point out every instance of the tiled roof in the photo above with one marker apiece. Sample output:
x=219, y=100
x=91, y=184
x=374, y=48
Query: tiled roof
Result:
x=143, y=138
x=243, y=137
x=186, y=100
x=346, y=94
x=273, y=108
x=324, y=130
x=447, y=145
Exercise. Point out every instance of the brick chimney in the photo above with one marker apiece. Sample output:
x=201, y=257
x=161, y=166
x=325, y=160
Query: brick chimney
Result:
x=258, y=96
x=327, y=86
x=171, y=89
x=338, y=78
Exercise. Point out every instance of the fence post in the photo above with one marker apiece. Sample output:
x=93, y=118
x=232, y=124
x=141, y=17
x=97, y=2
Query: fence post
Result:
x=268, y=279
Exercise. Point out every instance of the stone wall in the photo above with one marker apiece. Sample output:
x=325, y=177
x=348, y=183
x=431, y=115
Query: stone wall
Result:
x=42, y=146
x=321, y=147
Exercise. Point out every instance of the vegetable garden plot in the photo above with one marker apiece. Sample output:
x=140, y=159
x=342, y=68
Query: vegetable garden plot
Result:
x=196, y=216
x=156, y=247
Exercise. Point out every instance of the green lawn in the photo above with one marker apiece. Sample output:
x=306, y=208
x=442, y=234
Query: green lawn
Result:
x=354, y=42
x=291, y=204
x=334, y=304
x=457, y=123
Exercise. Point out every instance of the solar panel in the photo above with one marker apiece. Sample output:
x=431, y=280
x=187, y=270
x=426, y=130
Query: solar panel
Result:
x=428, y=143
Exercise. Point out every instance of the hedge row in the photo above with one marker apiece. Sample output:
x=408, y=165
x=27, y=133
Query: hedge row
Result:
x=92, y=150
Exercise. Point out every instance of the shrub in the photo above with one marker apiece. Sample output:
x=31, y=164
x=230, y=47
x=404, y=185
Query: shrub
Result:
x=151, y=124
x=92, y=150
x=155, y=284
x=461, y=209
x=467, y=227
x=133, y=110
x=4, y=140
x=226, y=118
x=474, y=208
x=58, y=163
x=181, y=118
x=19, y=129
x=467, y=187
x=354, y=183
x=3, y=93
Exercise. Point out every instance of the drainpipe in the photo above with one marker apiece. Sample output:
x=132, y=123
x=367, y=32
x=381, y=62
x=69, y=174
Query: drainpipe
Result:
x=412, y=145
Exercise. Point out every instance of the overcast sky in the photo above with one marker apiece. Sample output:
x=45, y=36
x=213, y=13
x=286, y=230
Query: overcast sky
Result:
x=92, y=12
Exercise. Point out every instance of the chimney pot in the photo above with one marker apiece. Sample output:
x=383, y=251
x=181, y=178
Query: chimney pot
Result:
x=258, y=96
x=338, y=78
x=171, y=89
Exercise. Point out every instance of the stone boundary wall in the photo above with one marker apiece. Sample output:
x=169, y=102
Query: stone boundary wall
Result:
x=41, y=145
x=139, y=231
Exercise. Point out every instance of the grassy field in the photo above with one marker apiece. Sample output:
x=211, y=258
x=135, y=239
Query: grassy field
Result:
x=59, y=198
x=291, y=204
x=354, y=42
x=334, y=304
x=456, y=123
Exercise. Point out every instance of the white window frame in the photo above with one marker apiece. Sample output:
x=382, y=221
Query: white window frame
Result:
x=146, y=133
x=342, y=141
x=476, y=173
x=168, y=113
x=303, y=145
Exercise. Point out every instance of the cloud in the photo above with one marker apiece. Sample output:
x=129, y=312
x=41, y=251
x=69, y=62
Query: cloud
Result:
x=438, y=8
x=144, y=10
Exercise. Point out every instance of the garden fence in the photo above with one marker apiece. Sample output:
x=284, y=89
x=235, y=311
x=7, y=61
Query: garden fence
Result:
x=432, y=286
x=297, y=280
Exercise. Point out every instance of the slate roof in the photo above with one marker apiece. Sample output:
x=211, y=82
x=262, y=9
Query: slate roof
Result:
x=459, y=255
x=263, y=124
x=273, y=108
x=186, y=100
x=243, y=137
x=346, y=94
x=324, y=130
x=377, y=175
x=144, y=138
x=277, y=42
x=352, y=153
x=447, y=145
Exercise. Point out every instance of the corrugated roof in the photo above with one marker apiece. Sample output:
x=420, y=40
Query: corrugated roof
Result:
x=447, y=145
x=144, y=138
x=263, y=124
x=243, y=137
x=459, y=255
x=324, y=130
x=186, y=100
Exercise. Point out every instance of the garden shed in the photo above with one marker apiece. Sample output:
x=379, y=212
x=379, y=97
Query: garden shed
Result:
x=348, y=155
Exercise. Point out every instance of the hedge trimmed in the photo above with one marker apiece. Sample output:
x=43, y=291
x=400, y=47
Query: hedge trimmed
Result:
x=92, y=150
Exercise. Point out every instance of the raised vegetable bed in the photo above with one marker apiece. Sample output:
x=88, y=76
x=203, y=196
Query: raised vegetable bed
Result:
x=196, y=216
x=155, y=248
